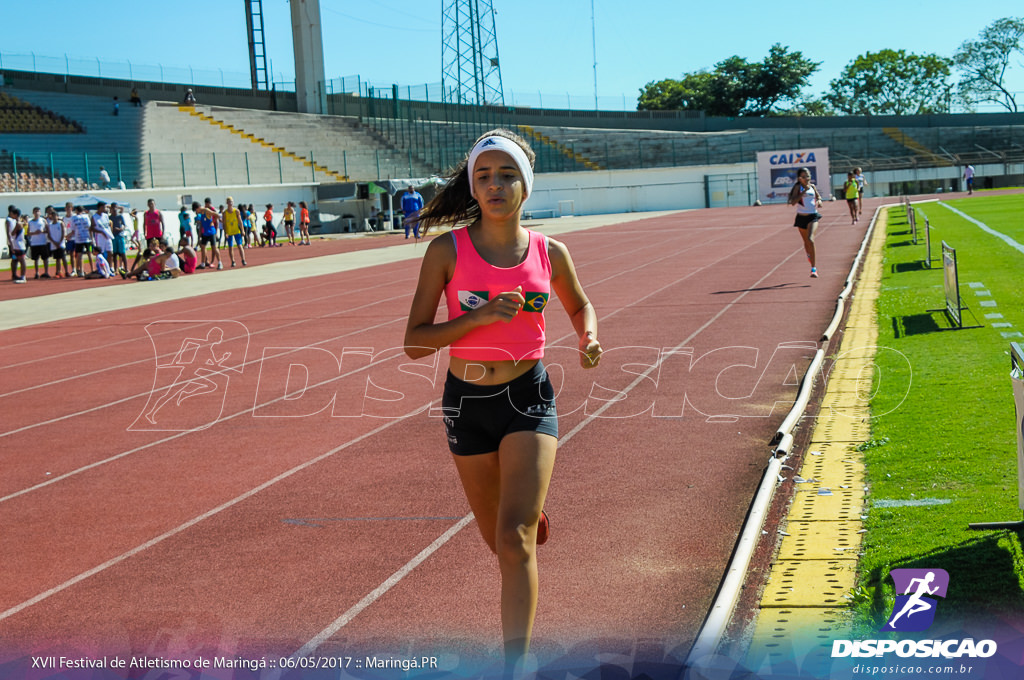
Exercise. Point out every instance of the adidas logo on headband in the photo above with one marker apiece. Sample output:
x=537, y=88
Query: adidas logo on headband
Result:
x=513, y=150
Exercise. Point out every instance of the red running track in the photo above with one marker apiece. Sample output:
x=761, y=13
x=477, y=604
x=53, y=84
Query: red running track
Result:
x=258, y=520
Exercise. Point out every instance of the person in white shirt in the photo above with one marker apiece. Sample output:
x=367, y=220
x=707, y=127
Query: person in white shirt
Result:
x=15, y=243
x=969, y=179
x=102, y=236
x=55, y=233
x=83, y=238
x=39, y=244
x=103, y=270
x=104, y=178
x=805, y=196
x=862, y=184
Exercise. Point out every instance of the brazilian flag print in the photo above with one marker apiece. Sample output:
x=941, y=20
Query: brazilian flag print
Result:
x=471, y=299
x=535, y=302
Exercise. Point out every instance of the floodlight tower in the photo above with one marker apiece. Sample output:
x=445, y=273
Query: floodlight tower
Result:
x=257, y=45
x=307, y=45
x=470, y=71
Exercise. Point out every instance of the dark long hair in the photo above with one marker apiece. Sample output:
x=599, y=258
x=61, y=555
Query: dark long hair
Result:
x=794, y=192
x=454, y=204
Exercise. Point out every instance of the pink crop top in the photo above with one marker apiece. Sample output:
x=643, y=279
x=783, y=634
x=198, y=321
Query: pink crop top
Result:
x=473, y=284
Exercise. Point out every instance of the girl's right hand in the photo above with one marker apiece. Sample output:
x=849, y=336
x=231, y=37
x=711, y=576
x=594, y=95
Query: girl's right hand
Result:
x=503, y=307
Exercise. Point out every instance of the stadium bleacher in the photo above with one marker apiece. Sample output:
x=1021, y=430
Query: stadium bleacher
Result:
x=164, y=144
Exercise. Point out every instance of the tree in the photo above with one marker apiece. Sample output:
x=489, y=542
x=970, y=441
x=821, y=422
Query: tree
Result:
x=778, y=78
x=892, y=82
x=736, y=87
x=689, y=94
x=984, y=62
x=809, y=107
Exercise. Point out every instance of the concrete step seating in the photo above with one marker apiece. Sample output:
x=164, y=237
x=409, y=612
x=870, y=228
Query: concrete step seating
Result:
x=650, y=148
x=276, y=148
x=917, y=148
x=184, y=149
x=339, y=146
x=17, y=115
x=107, y=140
x=535, y=135
x=432, y=148
x=440, y=146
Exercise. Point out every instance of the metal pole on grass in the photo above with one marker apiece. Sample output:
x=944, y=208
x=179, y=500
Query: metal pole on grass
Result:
x=1017, y=377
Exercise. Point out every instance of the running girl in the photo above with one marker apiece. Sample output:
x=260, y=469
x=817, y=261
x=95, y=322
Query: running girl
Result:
x=862, y=184
x=807, y=200
x=851, y=192
x=498, y=403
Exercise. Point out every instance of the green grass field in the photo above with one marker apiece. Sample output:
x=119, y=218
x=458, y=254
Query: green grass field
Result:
x=943, y=446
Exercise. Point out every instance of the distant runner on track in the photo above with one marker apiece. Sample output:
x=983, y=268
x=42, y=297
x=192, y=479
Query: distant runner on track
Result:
x=807, y=200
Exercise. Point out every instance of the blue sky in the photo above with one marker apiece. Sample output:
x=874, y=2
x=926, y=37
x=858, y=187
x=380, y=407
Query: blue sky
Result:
x=545, y=46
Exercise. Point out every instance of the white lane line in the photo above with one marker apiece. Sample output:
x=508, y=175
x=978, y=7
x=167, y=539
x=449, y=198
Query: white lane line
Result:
x=143, y=447
x=384, y=587
x=423, y=555
x=148, y=360
x=618, y=253
x=189, y=314
x=984, y=227
x=196, y=520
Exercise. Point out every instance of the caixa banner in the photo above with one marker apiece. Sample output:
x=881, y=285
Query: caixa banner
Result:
x=776, y=172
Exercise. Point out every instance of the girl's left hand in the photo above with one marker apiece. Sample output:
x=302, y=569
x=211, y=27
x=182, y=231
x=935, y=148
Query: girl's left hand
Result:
x=590, y=351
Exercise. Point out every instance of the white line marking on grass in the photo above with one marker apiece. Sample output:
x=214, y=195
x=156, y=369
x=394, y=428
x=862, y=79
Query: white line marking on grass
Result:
x=984, y=227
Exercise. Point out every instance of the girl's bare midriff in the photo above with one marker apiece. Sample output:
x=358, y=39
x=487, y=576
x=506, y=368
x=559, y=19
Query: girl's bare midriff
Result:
x=489, y=372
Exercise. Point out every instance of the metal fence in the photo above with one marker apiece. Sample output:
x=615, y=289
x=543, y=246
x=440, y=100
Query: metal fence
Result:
x=44, y=171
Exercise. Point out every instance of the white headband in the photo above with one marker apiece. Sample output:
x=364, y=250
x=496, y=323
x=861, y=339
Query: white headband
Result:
x=497, y=143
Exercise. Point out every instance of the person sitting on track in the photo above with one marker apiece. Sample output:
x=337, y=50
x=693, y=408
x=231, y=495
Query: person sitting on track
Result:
x=189, y=260
x=102, y=270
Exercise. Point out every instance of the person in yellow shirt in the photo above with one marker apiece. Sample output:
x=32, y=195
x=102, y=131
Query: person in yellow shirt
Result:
x=851, y=192
x=289, y=222
x=232, y=218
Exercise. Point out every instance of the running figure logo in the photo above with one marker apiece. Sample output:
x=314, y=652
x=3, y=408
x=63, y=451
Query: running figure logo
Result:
x=913, y=610
x=194, y=360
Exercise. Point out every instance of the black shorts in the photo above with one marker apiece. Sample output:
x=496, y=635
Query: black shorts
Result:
x=207, y=240
x=477, y=417
x=42, y=251
x=804, y=220
x=851, y=201
x=83, y=248
x=56, y=253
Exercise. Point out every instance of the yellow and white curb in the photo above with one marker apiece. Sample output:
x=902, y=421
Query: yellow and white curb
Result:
x=804, y=605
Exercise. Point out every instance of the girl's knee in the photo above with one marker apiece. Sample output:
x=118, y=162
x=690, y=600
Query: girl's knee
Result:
x=516, y=543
